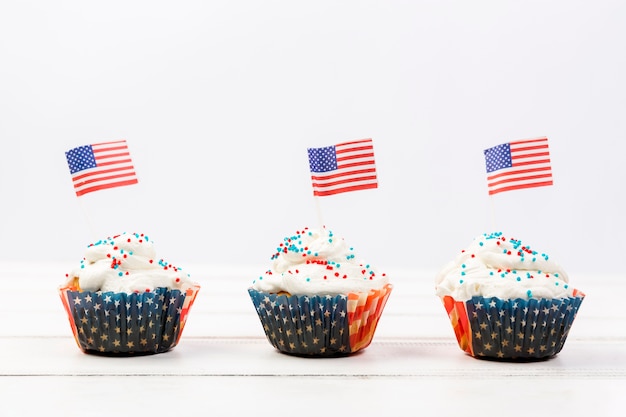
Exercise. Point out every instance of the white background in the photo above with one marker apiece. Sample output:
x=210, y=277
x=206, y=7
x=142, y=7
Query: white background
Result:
x=219, y=100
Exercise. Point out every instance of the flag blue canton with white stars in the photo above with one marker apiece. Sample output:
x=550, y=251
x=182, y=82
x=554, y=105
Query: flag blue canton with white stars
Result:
x=498, y=157
x=305, y=325
x=81, y=158
x=322, y=159
x=109, y=322
x=511, y=329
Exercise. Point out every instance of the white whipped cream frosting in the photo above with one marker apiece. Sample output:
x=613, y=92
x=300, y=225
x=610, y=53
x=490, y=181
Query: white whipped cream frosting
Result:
x=126, y=263
x=317, y=262
x=496, y=266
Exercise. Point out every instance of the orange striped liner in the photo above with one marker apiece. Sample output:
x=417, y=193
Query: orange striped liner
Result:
x=458, y=318
x=190, y=297
x=63, y=292
x=364, y=311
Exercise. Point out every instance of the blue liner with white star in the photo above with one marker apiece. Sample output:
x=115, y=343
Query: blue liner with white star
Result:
x=519, y=329
x=304, y=325
x=127, y=324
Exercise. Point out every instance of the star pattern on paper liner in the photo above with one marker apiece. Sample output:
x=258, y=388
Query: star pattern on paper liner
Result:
x=320, y=325
x=127, y=323
x=520, y=329
x=306, y=325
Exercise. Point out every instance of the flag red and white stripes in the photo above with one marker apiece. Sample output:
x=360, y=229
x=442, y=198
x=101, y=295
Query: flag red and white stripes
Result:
x=344, y=167
x=100, y=166
x=518, y=164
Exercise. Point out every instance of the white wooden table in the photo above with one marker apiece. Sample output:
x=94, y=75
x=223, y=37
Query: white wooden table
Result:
x=223, y=365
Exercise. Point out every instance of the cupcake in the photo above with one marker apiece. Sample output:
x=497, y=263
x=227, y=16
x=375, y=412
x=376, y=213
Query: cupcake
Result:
x=122, y=300
x=317, y=299
x=507, y=301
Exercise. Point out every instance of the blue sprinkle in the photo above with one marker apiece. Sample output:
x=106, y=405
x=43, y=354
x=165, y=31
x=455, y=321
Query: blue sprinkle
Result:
x=460, y=281
x=463, y=273
x=529, y=293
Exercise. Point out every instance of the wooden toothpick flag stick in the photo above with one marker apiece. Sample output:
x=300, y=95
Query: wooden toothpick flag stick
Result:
x=100, y=166
x=340, y=168
x=517, y=165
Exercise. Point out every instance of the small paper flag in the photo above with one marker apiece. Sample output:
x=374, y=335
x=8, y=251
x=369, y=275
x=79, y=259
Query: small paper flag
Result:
x=100, y=166
x=518, y=164
x=344, y=167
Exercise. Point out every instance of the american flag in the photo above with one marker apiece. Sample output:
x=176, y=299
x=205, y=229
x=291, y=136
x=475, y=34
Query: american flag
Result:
x=347, y=166
x=518, y=164
x=100, y=166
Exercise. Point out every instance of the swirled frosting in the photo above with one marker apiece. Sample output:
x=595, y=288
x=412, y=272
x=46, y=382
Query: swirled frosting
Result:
x=126, y=263
x=317, y=262
x=496, y=266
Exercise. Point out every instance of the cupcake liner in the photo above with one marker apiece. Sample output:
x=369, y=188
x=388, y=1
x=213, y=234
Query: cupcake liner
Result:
x=320, y=325
x=127, y=324
x=515, y=329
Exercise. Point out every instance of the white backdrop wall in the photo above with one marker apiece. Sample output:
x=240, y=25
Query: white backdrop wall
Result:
x=219, y=100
